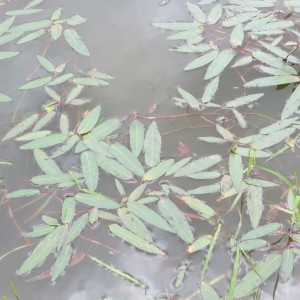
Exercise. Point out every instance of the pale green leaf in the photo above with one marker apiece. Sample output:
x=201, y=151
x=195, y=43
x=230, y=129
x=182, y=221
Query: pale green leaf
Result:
x=60, y=79
x=248, y=152
x=90, y=81
x=189, y=98
x=41, y=251
x=68, y=210
x=74, y=93
x=96, y=200
x=74, y=40
x=21, y=127
x=178, y=165
x=260, y=182
x=253, y=3
x=287, y=264
x=56, y=31
x=202, y=60
x=76, y=20
x=62, y=261
x=136, y=133
x=76, y=229
x=31, y=36
x=226, y=134
x=214, y=15
x=52, y=179
x=252, y=244
x=69, y=144
x=254, y=204
x=36, y=83
x=197, y=13
x=52, y=94
x=205, y=175
x=206, y=189
x=106, y=128
x=120, y=187
x=191, y=48
x=251, y=280
x=64, y=124
x=45, y=142
x=5, y=25
x=272, y=80
x=292, y=104
x=176, y=218
x=39, y=230
x=240, y=18
x=208, y=293
x=46, y=164
x=93, y=215
x=4, y=98
x=236, y=169
x=278, y=125
x=210, y=90
x=199, y=244
x=90, y=169
x=158, y=170
x=212, y=139
x=44, y=120
x=31, y=26
x=99, y=147
x=46, y=64
x=219, y=63
x=244, y=100
x=177, y=25
x=152, y=145
x=186, y=34
x=23, y=193
x=89, y=122
x=240, y=118
x=137, y=192
x=237, y=36
x=261, y=231
x=147, y=214
x=56, y=14
x=5, y=55
x=33, y=3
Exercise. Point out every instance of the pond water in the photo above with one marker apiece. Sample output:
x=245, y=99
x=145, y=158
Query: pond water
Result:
x=124, y=44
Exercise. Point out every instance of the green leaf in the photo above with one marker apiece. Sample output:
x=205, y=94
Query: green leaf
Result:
x=253, y=244
x=136, y=133
x=90, y=81
x=254, y=204
x=31, y=26
x=64, y=124
x=74, y=40
x=244, y=100
x=206, y=189
x=40, y=230
x=74, y=93
x=135, y=240
x=248, y=152
x=46, y=64
x=106, y=128
x=90, y=169
x=261, y=231
x=23, y=193
x=52, y=94
x=177, y=25
x=76, y=20
x=47, y=165
x=198, y=165
x=212, y=139
x=36, y=83
x=178, y=165
x=137, y=192
x=147, y=214
x=31, y=36
x=272, y=138
x=191, y=48
x=120, y=187
x=261, y=183
x=252, y=3
x=197, y=13
x=56, y=14
x=127, y=159
x=68, y=210
x=33, y=3
x=70, y=142
x=47, y=141
x=226, y=134
x=199, y=244
x=186, y=34
x=98, y=147
x=56, y=31
x=237, y=36
x=152, y=145
x=189, y=98
x=5, y=55
x=214, y=15
x=21, y=127
x=240, y=18
x=278, y=125
x=4, y=98
x=44, y=120
x=208, y=293
x=93, y=215
x=60, y=79
x=200, y=207
x=89, y=122
x=62, y=261
x=272, y=80
x=210, y=90
x=202, y=60
x=219, y=63
x=5, y=25
x=205, y=175
x=292, y=104
x=42, y=250
x=236, y=169
x=76, y=228
x=251, y=280
x=176, y=218
x=158, y=170
x=96, y=200
x=52, y=179
x=287, y=264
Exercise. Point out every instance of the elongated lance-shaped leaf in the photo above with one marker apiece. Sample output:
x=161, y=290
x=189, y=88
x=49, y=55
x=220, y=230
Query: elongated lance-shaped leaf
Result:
x=4, y=98
x=272, y=138
x=68, y=210
x=239, y=117
x=219, y=63
x=33, y=3
x=189, y=98
x=252, y=244
x=236, y=169
x=292, y=104
x=74, y=40
x=96, y=200
x=21, y=127
x=251, y=280
x=197, y=13
x=52, y=179
x=44, y=120
x=36, y=83
x=181, y=272
x=287, y=264
x=118, y=272
x=106, y=128
x=99, y=147
x=205, y=189
x=47, y=164
x=191, y=48
x=225, y=133
x=208, y=292
x=93, y=215
x=152, y=145
x=278, y=125
x=158, y=170
x=178, y=165
x=56, y=31
x=261, y=231
x=198, y=165
x=248, y=152
x=205, y=175
x=31, y=36
x=186, y=34
x=86, y=81
x=202, y=60
x=240, y=18
x=244, y=100
x=177, y=25
x=199, y=244
x=127, y=159
x=214, y=15
x=176, y=218
x=135, y=240
x=45, y=142
x=234, y=274
x=254, y=204
x=76, y=20
x=210, y=90
x=134, y=224
x=70, y=142
x=46, y=64
x=136, y=133
x=42, y=250
x=60, y=79
x=76, y=228
x=62, y=261
x=23, y=193
x=40, y=230
x=5, y=55
x=197, y=205
x=90, y=169
x=148, y=215
x=272, y=80
x=237, y=36
x=64, y=124
x=32, y=26
x=137, y=192
x=5, y=25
